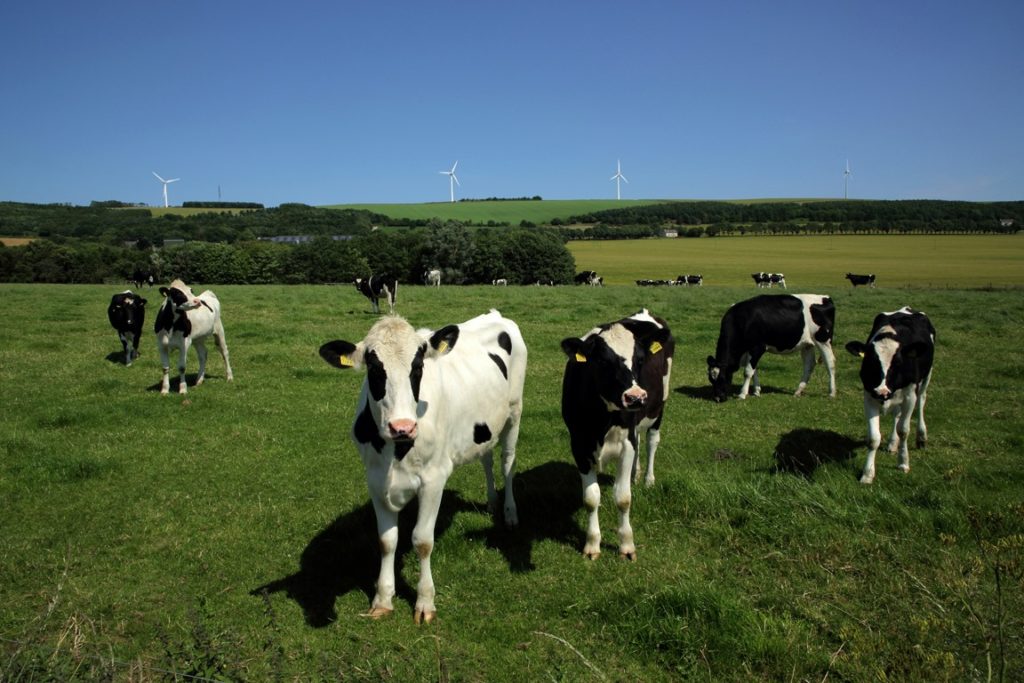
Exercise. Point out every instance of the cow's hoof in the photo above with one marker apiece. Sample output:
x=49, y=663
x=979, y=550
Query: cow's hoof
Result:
x=591, y=554
x=921, y=443
x=378, y=612
x=865, y=479
x=649, y=482
x=628, y=555
x=903, y=468
x=424, y=616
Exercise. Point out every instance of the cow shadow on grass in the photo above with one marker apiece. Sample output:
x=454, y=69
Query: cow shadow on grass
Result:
x=802, y=451
x=190, y=378
x=705, y=392
x=345, y=556
x=547, y=499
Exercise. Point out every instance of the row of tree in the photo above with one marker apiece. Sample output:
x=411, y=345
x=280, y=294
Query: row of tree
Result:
x=464, y=256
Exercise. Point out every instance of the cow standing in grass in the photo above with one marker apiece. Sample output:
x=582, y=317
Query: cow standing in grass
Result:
x=895, y=371
x=185, y=319
x=615, y=386
x=868, y=280
x=127, y=313
x=776, y=324
x=432, y=401
x=376, y=286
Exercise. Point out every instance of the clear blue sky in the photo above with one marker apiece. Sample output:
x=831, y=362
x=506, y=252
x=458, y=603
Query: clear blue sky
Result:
x=344, y=102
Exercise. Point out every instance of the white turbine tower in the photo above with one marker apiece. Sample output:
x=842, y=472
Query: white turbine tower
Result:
x=846, y=180
x=617, y=177
x=452, y=180
x=166, y=183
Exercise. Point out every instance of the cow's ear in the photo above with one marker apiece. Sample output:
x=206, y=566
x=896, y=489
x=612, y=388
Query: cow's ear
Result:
x=657, y=341
x=444, y=339
x=164, y=291
x=575, y=348
x=341, y=354
x=856, y=348
x=142, y=302
x=712, y=363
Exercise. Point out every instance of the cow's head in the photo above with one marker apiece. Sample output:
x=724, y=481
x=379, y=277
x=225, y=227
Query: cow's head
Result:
x=613, y=357
x=720, y=378
x=125, y=309
x=885, y=361
x=393, y=354
x=180, y=296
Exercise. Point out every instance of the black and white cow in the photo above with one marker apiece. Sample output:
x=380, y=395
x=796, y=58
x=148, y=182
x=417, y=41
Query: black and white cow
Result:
x=127, y=313
x=777, y=324
x=687, y=280
x=589, y=277
x=185, y=319
x=500, y=282
x=895, y=371
x=855, y=280
x=376, y=286
x=432, y=401
x=432, y=278
x=769, y=279
x=615, y=386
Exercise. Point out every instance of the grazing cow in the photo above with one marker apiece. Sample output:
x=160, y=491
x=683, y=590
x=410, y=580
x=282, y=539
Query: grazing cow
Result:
x=769, y=279
x=375, y=286
x=777, y=324
x=615, y=386
x=687, y=280
x=431, y=401
x=589, y=277
x=895, y=371
x=500, y=282
x=185, y=319
x=127, y=313
x=141, y=277
x=654, y=283
x=855, y=280
x=432, y=278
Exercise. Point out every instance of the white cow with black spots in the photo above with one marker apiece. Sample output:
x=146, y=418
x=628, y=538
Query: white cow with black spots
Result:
x=432, y=401
x=185, y=319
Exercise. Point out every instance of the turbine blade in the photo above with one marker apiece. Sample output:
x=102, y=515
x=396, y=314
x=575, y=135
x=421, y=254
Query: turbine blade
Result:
x=172, y=180
x=454, y=165
x=624, y=178
x=456, y=179
x=158, y=177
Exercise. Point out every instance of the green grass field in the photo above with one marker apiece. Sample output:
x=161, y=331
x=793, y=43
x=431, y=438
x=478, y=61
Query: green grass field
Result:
x=512, y=211
x=229, y=537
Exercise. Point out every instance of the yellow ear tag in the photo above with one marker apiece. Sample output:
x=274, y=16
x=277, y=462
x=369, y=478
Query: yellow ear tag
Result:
x=442, y=347
x=861, y=354
x=345, y=361
x=655, y=347
x=580, y=358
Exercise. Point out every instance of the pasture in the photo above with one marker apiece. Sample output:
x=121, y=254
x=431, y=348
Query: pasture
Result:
x=229, y=537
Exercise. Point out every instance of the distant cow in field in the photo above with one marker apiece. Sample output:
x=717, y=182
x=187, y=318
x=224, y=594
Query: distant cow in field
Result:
x=432, y=401
x=769, y=279
x=500, y=282
x=127, y=313
x=855, y=280
x=687, y=280
x=432, y=278
x=615, y=386
x=185, y=319
x=654, y=283
x=777, y=324
x=140, y=278
x=895, y=371
x=589, y=277
x=376, y=286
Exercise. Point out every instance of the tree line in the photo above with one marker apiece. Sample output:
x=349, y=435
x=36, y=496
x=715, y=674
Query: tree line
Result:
x=464, y=256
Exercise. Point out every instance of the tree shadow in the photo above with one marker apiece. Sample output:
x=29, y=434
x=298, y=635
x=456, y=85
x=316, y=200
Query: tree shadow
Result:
x=345, y=556
x=802, y=451
x=547, y=498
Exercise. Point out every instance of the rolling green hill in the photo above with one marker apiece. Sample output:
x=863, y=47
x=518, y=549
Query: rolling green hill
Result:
x=511, y=211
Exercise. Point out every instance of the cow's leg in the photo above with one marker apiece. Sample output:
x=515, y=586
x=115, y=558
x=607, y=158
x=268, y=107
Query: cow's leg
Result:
x=423, y=542
x=592, y=499
x=126, y=344
x=509, y=439
x=807, y=354
x=624, y=499
x=871, y=412
x=653, y=439
x=222, y=345
x=829, y=358
x=901, y=430
x=387, y=534
x=748, y=375
x=182, y=356
x=922, y=429
x=487, y=460
x=135, y=347
x=165, y=363
x=375, y=304
x=201, y=353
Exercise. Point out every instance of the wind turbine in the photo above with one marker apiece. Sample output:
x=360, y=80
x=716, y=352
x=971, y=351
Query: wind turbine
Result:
x=452, y=180
x=846, y=180
x=617, y=177
x=166, y=183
